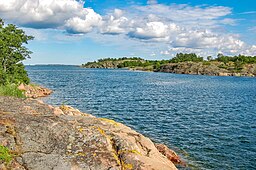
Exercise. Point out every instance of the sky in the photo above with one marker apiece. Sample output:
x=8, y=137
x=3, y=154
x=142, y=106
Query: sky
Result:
x=76, y=31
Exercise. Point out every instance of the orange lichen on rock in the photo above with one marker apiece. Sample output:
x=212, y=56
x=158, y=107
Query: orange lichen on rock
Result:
x=170, y=154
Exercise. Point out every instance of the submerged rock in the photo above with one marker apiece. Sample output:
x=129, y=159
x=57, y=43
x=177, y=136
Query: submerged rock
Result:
x=42, y=137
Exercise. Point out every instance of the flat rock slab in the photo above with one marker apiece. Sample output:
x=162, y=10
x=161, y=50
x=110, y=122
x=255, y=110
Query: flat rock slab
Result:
x=42, y=137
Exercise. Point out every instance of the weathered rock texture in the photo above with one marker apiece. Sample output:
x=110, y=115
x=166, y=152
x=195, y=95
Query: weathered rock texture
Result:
x=43, y=137
x=210, y=68
x=34, y=91
x=170, y=154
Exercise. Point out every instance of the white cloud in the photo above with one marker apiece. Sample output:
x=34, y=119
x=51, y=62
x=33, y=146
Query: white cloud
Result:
x=182, y=28
x=151, y=2
x=183, y=13
x=173, y=50
x=115, y=23
x=41, y=13
x=83, y=24
x=165, y=52
x=196, y=39
x=151, y=30
x=207, y=43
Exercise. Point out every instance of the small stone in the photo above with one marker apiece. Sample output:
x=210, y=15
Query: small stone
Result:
x=57, y=111
x=22, y=87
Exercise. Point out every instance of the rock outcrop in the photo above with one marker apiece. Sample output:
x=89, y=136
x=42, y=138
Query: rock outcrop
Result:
x=34, y=91
x=208, y=68
x=212, y=68
x=42, y=137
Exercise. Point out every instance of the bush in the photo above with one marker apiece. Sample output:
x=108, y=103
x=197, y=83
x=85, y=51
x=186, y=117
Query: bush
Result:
x=11, y=90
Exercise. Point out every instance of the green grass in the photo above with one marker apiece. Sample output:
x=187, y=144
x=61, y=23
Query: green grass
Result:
x=11, y=90
x=5, y=155
x=33, y=85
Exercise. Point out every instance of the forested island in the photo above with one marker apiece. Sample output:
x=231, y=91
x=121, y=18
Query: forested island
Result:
x=222, y=65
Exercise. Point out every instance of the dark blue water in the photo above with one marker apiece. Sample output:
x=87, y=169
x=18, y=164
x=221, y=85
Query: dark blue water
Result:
x=210, y=121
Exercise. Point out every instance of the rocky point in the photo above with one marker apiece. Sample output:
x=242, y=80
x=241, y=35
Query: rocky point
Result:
x=42, y=137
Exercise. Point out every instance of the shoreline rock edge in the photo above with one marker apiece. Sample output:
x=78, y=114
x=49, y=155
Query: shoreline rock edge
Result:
x=41, y=136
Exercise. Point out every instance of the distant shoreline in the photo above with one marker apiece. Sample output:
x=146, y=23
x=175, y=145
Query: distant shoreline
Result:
x=191, y=68
x=185, y=64
x=52, y=65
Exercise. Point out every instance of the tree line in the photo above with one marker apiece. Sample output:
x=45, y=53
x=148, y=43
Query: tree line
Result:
x=125, y=62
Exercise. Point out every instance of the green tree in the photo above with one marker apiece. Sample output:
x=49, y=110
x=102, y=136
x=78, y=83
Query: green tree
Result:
x=12, y=53
x=157, y=65
x=180, y=57
x=209, y=58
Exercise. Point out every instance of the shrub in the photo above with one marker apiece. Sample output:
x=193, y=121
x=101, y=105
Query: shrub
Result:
x=11, y=90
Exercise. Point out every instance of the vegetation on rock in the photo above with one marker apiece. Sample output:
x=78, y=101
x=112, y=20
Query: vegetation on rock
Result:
x=185, y=64
x=5, y=155
x=11, y=90
x=12, y=53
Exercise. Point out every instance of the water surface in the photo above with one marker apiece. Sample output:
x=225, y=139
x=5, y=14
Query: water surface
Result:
x=210, y=121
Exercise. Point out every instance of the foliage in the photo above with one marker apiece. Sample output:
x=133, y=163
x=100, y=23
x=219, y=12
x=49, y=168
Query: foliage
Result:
x=234, y=64
x=5, y=154
x=119, y=59
x=240, y=58
x=12, y=53
x=180, y=57
x=209, y=58
x=206, y=63
x=11, y=90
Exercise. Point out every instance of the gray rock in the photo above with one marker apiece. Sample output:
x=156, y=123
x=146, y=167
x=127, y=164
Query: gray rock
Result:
x=40, y=139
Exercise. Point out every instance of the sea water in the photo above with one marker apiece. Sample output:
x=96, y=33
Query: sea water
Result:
x=210, y=121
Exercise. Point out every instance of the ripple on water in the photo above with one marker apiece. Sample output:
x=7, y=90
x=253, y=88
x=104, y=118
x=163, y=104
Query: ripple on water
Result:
x=209, y=120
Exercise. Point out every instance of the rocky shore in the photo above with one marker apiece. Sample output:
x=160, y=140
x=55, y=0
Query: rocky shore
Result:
x=211, y=68
x=34, y=91
x=208, y=68
x=41, y=137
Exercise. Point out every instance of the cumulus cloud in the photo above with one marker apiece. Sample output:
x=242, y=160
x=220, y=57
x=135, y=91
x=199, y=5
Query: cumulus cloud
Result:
x=115, y=23
x=173, y=50
x=41, y=13
x=85, y=23
x=182, y=28
x=150, y=30
x=196, y=39
x=207, y=43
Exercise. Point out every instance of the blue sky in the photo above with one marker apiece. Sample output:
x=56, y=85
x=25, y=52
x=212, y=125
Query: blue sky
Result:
x=74, y=32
